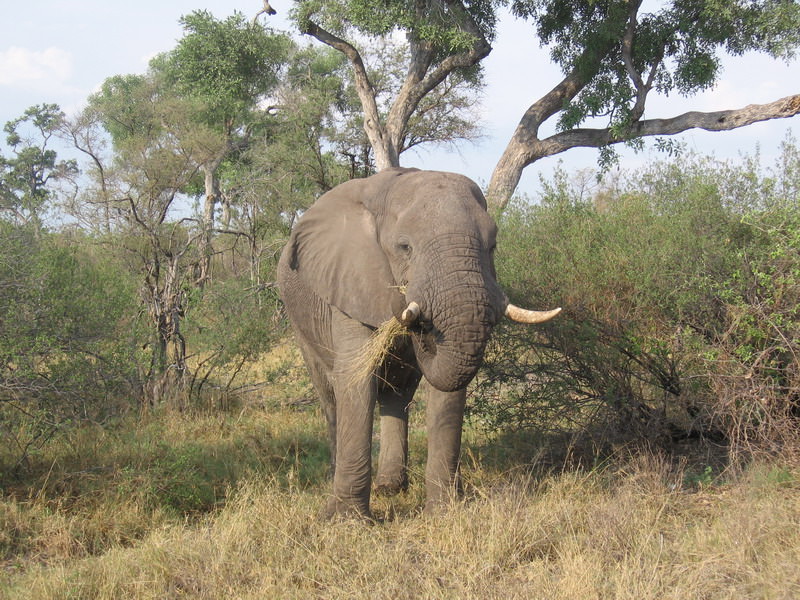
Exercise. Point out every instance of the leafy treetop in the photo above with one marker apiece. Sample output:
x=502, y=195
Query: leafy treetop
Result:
x=227, y=65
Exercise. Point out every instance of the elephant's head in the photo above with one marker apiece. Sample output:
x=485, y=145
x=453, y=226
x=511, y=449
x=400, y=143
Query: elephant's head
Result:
x=416, y=245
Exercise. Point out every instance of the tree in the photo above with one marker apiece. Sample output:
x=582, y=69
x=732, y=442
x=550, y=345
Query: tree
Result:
x=26, y=179
x=66, y=349
x=164, y=127
x=137, y=187
x=61, y=353
x=290, y=161
x=613, y=54
x=446, y=39
x=446, y=115
x=226, y=67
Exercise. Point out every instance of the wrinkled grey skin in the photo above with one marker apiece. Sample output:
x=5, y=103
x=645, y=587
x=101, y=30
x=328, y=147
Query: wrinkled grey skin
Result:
x=356, y=258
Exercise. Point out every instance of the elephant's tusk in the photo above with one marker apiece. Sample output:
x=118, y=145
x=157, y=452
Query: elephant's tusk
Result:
x=521, y=315
x=410, y=314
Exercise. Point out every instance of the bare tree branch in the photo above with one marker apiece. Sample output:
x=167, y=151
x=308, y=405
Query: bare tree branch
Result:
x=419, y=83
x=523, y=146
x=386, y=137
x=627, y=46
x=723, y=120
x=642, y=88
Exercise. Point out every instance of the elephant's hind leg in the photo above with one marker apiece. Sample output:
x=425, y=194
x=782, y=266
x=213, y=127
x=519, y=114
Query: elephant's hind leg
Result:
x=392, y=476
x=327, y=400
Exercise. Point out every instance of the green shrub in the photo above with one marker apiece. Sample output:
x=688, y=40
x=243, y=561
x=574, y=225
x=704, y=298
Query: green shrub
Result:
x=680, y=290
x=230, y=327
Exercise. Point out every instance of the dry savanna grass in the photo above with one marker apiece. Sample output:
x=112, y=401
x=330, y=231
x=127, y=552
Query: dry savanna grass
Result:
x=109, y=518
x=373, y=353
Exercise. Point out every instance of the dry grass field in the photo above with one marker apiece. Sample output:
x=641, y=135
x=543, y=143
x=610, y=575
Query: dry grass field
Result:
x=224, y=506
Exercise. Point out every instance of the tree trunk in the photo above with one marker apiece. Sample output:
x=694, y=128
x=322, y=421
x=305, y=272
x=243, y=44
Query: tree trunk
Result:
x=166, y=303
x=212, y=197
x=505, y=178
x=386, y=155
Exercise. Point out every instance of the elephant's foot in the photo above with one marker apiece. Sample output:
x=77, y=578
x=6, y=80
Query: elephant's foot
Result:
x=339, y=509
x=391, y=485
x=441, y=496
x=439, y=505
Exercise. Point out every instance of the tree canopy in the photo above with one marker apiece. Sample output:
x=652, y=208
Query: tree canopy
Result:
x=226, y=65
x=26, y=177
x=614, y=53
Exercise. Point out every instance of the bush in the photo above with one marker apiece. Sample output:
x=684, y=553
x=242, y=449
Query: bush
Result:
x=233, y=325
x=681, y=295
x=66, y=348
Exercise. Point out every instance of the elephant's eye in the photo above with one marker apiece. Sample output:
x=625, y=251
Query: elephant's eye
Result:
x=404, y=245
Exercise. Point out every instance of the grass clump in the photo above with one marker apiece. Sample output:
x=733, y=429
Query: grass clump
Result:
x=372, y=354
x=98, y=489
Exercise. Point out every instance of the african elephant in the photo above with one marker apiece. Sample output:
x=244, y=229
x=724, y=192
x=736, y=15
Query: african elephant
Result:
x=417, y=246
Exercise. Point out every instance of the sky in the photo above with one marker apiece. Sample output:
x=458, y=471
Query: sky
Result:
x=60, y=51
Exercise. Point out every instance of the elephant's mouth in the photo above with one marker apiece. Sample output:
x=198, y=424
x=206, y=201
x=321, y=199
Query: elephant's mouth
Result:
x=426, y=337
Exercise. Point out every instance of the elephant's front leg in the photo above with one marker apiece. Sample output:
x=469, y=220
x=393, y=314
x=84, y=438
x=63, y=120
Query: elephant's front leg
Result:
x=398, y=382
x=352, y=478
x=445, y=417
x=355, y=405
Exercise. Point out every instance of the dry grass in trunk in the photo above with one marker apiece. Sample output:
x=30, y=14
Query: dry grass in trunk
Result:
x=374, y=352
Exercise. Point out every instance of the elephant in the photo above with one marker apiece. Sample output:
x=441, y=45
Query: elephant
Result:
x=412, y=245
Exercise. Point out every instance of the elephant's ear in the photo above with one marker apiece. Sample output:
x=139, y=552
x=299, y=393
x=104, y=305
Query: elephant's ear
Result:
x=334, y=250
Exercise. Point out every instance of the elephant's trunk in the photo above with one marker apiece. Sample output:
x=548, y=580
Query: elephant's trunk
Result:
x=450, y=365
x=456, y=316
x=451, y=353
x=452, y=313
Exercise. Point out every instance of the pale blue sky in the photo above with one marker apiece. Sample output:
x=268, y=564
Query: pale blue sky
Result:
x=60, y=51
